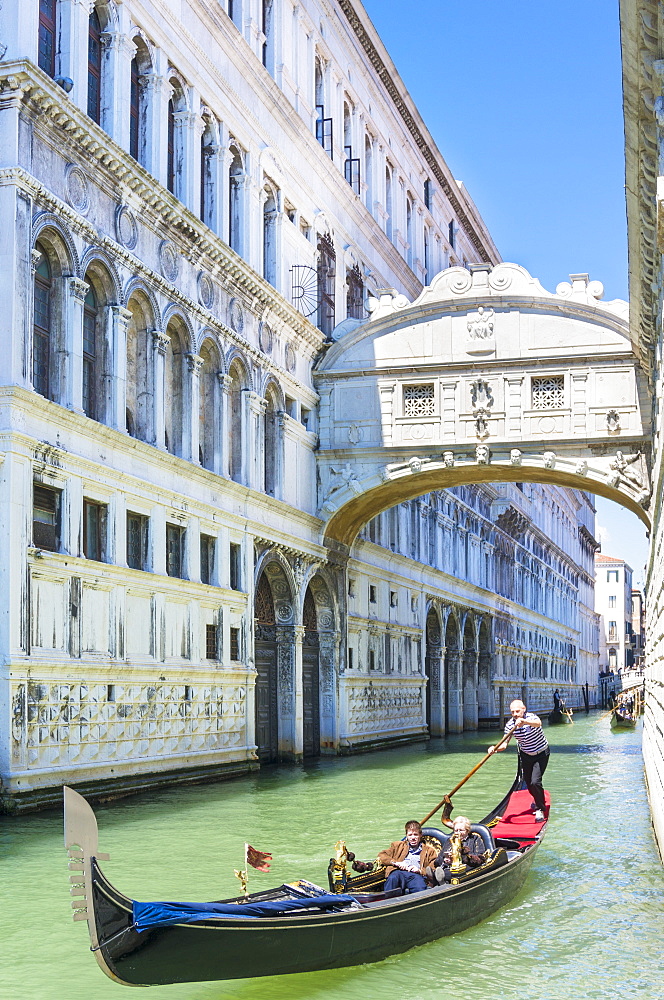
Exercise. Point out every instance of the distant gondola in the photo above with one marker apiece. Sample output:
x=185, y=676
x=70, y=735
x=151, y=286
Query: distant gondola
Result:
x=622, y=719
x=560, y=717
x=301, y=927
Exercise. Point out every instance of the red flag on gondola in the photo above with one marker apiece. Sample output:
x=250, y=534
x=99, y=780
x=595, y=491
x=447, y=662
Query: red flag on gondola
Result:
x=260, y=860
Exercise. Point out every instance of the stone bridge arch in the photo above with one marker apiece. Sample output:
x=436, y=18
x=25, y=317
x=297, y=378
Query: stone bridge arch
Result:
x=486, y=377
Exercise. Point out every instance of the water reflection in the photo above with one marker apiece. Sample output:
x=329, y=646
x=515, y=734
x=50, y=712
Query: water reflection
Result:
x=590, y=910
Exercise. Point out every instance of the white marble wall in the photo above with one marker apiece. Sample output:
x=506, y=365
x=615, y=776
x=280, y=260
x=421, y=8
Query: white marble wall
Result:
x=105, y=674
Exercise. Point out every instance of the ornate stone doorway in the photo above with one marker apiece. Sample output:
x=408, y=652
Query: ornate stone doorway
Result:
x=265, y=650
x=310, y=679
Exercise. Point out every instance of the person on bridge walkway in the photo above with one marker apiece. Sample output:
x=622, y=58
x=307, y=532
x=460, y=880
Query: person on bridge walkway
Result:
x=533, y=752
x=406, y=860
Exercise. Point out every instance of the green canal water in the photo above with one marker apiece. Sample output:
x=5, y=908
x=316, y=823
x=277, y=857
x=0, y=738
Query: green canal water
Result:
x=588, y=923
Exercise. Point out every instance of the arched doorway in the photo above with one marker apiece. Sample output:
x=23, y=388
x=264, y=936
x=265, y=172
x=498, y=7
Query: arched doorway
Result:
x=433, y=709
x=265, y=651
x=310, y=679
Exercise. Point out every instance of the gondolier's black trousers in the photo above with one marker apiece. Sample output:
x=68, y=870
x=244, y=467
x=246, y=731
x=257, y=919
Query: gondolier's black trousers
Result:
x=533, y=766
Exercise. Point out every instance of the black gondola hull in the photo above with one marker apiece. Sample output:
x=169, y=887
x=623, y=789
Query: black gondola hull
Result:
x=242, y=948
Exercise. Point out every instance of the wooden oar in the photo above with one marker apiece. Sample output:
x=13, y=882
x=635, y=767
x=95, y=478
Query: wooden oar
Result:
x=505, y=740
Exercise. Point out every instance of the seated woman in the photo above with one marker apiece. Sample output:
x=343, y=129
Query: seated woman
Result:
x=471, y=850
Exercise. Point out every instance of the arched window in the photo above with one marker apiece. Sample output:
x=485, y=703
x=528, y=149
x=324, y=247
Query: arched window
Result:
x=90, y=312
x=42, y=330
x=134, y=109
x=235, y=194
x=48, y=12
x=94, y=67
x=427, y=257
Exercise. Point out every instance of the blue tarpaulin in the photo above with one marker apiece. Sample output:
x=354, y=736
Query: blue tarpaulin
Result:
x=148, y=915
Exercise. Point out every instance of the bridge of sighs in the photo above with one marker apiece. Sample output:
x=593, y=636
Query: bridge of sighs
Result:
x=485, y=377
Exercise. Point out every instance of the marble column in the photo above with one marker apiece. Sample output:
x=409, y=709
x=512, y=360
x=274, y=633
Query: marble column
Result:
x=191, y=408
x=222, y=443
x=115, y=374
x=70, y=348
x=152, y=144
x=160, y=342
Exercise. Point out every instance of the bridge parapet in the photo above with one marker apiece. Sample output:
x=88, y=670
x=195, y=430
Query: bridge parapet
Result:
x=485, y=377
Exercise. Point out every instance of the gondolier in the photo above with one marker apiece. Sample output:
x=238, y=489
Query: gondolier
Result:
x=533, y=752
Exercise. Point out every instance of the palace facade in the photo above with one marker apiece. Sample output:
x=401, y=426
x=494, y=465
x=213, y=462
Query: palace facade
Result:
x=194, y=204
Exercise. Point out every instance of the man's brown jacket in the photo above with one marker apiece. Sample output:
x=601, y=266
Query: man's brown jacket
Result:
x=398, y=850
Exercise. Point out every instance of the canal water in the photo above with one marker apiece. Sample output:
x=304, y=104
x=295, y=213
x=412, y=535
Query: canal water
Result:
x=586, y=925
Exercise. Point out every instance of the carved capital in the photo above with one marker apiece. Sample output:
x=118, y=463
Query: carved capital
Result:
x=77, y=289
x=194, y=364
x=160, y=341
x=35, y=260
x=121, y=314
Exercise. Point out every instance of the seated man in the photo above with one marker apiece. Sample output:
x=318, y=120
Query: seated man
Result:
x=406, y=860
x=472, y=851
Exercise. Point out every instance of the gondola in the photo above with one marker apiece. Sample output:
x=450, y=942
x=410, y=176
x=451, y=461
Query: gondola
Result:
x=560, y=717
x=298, y=926
x=622, y=719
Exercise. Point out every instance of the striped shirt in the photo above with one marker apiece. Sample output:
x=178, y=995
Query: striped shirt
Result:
x=531, y=739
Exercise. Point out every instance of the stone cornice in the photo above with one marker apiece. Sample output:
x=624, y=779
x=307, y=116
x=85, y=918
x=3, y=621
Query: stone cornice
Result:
x=20, y=80
x=421, y=141
x=640, y=36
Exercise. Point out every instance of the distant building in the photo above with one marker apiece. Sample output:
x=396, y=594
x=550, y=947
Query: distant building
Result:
x=613, y=602
x=639, y=627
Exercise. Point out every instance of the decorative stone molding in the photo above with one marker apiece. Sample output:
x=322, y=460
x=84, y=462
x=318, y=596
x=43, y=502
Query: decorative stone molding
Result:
x=194, y=364
x=78, y=289
x=99, y=150
x=77, y=189
x=290, y=357
x=161, y=341
x=168, y=260
x=236, y=315
x=205, y=290
x=126, y=229
x=265, y=337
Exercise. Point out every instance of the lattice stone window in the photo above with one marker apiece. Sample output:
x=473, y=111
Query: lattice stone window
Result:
x=418, y=400
x=548, y=393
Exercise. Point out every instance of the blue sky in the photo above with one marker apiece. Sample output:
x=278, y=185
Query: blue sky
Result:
x=524, y=101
